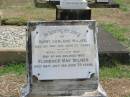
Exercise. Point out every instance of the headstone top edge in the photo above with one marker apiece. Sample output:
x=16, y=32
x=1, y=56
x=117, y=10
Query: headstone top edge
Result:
x=59, y=21
x=73, y=4
x=74, y=8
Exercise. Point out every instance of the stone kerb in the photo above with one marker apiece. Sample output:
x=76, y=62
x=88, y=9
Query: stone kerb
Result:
x=0, y=17
x=12, y=44
x=8, y=55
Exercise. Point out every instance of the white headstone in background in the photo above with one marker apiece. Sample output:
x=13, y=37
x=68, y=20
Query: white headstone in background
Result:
x=102, y=1
x=73, y=4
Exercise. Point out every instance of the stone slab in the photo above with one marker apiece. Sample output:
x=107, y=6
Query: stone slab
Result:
x=108, y=44
x=99, y=92
x=63, y=87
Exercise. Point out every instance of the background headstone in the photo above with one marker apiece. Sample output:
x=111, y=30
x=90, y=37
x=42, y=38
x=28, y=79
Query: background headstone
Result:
x=73, y=4
x=73, y=10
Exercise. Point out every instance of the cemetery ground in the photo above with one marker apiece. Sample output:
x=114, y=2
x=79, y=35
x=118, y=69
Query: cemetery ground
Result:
x=114, y=75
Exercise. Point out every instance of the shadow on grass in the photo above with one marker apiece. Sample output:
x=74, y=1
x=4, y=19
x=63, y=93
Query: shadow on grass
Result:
x=44, y=4
x=112, y=67
x=111, y=60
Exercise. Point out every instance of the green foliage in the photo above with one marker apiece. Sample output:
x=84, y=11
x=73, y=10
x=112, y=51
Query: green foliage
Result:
x=124, y=6
x=116, y=31
x=14, y=21
x=127, y=96
x=17, y=69
x=118, y=71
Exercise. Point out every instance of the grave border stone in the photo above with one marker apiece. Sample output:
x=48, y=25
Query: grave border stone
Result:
x=1, y=18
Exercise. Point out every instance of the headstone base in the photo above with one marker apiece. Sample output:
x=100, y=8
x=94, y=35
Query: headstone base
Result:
x=73, y=14
x=96, y=93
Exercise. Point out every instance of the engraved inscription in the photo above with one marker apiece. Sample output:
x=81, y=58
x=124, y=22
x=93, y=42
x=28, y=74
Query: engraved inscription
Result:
x=63, y=52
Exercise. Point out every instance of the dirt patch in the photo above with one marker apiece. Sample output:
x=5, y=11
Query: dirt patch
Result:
x=10, y=85
x=117, y=87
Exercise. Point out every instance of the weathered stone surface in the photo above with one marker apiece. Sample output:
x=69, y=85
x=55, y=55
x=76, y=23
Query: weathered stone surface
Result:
x=13, y=37
x=75, y=83
x=99, y=92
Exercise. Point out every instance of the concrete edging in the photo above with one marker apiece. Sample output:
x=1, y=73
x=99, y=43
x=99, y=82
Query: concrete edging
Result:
x=16, y=55
x=0, y=18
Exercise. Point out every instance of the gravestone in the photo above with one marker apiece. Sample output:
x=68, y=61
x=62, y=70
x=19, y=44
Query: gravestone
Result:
x=73, y=4
x=73, y=10
x=104, y=1
x=62, y=59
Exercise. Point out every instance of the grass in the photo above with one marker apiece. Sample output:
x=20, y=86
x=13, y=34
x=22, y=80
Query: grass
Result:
x=14, y=21
x=118, y=71
x=117, y=31
x=18, y=69
x=19, y=14
x=124, y=4
x=114, y=68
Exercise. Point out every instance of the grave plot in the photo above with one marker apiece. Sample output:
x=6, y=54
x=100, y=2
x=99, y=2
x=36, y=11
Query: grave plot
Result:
x=12, y=44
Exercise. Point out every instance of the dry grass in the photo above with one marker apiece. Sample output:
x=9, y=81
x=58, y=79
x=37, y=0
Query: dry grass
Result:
x=117, y=87
x=10, y=85
x=29, y=13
